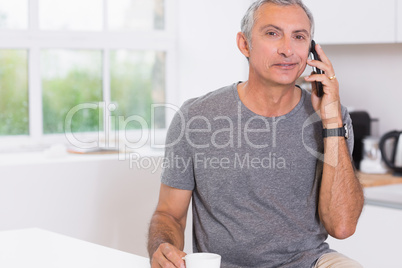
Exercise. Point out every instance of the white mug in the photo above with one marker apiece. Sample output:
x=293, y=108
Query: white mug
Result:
x=202, y=260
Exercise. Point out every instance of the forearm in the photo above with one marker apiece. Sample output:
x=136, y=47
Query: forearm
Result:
x=165, y=229
x=341, y=196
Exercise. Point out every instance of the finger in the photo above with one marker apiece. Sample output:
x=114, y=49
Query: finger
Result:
x=324, y=63
x=313, y=85
x=323, y=78
x=316, y=78
x=314, y=90
x=159, y=260
x=329, y=69
x=322, y=66
x=165, y=264
x=315, y=100
x=330, y=87
x=173, y=254
x=322, y=55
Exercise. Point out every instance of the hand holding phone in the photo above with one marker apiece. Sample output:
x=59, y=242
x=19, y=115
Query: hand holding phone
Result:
x=314, y=56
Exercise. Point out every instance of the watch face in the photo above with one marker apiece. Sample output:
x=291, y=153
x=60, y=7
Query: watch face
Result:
x=346, y=131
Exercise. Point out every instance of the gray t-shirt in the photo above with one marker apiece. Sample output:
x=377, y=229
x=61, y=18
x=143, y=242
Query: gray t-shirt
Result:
x=254, y=179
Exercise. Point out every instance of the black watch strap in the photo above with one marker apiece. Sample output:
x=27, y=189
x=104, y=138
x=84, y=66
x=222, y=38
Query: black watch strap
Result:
x=336, y=132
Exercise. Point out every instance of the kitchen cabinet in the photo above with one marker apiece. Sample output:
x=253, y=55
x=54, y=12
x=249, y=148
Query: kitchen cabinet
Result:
x=376, y=242
x=355, y=22
x=101, y=199
x=399, y=21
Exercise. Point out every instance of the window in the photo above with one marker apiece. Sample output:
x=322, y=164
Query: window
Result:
x=14, y=14
x=57, y=55
x=14, y=92
x=73, y=15
x=137, y=79
x=70, y=78
x=136, y=15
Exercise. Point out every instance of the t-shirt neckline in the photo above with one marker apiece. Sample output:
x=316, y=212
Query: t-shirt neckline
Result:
x=289, y=114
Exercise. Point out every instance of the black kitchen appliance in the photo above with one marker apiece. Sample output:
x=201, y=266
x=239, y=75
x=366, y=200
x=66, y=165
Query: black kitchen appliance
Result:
x=392, y=152
x=361, y=122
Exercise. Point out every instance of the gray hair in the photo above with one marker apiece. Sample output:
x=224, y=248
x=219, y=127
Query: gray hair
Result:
x=247, y=23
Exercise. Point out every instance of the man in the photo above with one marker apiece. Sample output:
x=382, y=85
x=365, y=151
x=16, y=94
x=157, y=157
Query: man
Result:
x=249, y=157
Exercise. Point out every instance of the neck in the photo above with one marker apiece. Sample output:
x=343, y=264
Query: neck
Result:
x=269, y=100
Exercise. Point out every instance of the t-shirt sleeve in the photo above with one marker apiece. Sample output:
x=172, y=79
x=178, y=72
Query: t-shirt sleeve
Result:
x=177, y=168
x=348, y=121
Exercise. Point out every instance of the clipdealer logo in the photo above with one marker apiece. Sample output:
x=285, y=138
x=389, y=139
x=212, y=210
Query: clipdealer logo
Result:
x=236, y=134
x=235, y=129
x=202, y=160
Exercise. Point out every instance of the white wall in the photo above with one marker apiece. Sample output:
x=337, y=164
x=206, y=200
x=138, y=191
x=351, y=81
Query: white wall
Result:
x=207, y=50
x=97, y=199
x=370, y=79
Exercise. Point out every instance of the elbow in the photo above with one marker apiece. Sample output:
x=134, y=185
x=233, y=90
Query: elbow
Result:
x=343, y=232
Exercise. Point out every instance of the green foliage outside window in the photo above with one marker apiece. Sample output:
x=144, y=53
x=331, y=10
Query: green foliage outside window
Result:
x=72, y=84
x=14, y=108
x=74, y=77
x=137, y=82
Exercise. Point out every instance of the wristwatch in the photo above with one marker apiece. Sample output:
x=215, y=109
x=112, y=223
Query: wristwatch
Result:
x=336, y=132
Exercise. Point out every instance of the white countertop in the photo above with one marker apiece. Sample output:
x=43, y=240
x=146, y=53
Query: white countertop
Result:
x=36, y=248
x=36, y=158
x=386, y=196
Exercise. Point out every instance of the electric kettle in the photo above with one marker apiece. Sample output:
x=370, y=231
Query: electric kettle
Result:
x=391, y=151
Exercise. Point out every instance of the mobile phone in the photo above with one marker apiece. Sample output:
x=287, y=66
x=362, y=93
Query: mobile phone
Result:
x=314, y=56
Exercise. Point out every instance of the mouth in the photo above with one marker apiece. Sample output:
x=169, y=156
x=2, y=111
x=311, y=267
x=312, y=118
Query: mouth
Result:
x=286, y=66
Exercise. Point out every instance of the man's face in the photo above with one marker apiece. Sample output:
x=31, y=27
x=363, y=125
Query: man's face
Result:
x=280, y=44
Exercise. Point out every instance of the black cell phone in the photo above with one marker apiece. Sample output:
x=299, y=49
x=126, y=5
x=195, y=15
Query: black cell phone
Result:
x=314, y=56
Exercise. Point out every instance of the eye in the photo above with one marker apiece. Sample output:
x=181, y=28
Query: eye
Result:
x=300, y=37
x=271, y=33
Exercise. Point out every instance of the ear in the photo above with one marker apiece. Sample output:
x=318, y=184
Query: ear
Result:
x=242, y=44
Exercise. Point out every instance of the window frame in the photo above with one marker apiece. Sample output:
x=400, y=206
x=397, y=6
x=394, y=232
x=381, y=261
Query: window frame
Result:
x=34, y=40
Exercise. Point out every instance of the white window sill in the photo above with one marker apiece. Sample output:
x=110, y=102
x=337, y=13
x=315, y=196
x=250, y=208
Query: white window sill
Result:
x=48, y=157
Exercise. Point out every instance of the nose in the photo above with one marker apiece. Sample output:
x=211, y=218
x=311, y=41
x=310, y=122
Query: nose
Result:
x=285, y=47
